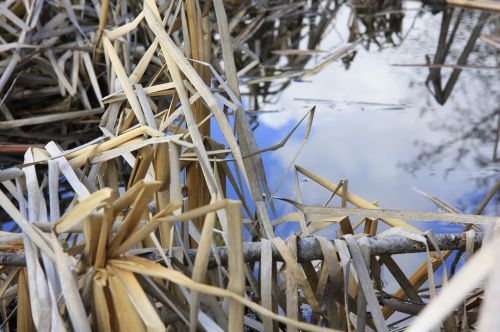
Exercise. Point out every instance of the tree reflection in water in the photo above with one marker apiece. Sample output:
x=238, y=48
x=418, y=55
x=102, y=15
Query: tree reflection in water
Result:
x=472, y=130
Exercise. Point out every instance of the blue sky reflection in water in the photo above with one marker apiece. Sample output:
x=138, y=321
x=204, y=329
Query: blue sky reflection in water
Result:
x=378, y=126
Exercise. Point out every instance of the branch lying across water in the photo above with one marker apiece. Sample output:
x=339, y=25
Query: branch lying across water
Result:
x=308, y=249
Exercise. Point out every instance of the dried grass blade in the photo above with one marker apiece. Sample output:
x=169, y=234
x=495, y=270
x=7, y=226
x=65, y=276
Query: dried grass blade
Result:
x=317, y=213
x=127, y=318
x=140, y=301
x=24, y=315
x=124, y=80
x=101, y=310
x=292, y=296
x=145, y=267
x=266, y=281
x=237, y=278
x=297, y=272
x=459, y=286
x=200, y=266
x=49, y=118
x=366, y=283
x=170, y=49
x=354, y=199
x=25, y=226
x=83, y=209
x=70, y=292
x=68, y=171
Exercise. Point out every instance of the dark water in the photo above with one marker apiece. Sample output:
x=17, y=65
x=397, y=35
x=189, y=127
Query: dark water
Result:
x=381, y=126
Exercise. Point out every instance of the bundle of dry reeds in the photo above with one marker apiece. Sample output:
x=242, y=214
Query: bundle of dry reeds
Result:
x=105, y=236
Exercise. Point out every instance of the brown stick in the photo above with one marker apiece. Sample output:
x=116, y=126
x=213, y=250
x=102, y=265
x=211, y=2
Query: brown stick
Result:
x=200, y=50
x=308, y=249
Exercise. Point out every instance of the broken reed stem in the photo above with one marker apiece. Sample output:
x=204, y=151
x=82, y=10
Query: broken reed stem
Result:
x=308, y=249
x=476, y=4
x=200, y=50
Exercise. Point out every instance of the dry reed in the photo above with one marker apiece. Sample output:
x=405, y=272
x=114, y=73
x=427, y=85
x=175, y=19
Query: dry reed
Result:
x=110, y=240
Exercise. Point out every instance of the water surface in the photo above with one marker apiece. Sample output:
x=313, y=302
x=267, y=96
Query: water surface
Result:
x=379, y=125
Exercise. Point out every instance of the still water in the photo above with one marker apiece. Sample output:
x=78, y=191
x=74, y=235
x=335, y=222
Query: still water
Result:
x=380, y=121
